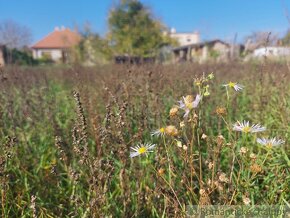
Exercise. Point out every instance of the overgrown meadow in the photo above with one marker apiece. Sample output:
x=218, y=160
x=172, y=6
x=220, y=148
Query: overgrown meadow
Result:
x=143, y=141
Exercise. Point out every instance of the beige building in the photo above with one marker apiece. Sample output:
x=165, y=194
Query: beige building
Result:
x=185, y=38
x=215, y=50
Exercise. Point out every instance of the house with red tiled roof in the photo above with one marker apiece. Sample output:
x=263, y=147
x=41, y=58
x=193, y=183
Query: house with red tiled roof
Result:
x=56, y=46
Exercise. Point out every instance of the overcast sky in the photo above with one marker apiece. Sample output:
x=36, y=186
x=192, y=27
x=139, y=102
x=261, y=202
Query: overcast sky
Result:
x=212, y=18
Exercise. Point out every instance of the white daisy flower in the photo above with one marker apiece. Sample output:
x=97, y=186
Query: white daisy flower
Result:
x=158, y=132
x=270, y=142
x=187, y=103
x=234, y=85
x=141, y=149
x=246, y=128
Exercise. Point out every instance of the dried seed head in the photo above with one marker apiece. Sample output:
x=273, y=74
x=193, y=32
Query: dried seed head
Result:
x=202, y=192
x=161, y=171
x=210, y=165
x=182, y=124
x=188, y=99
x=33, y=206
x=255, y=168
x=229, y=144
x=209, y=182
x=221, y=111
x=171, y=130
x=220, y=140
x=253, y=156
x=223, y=178
x=219, y=186
x=204, y=136
x=173, y=111
x=246, y=200
x=204, y=198
x=243, y=150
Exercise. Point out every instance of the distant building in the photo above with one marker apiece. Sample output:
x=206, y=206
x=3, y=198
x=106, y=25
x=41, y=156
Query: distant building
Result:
x=185, y=38
x=271, y=52
x=216, y=50
x=56, y=45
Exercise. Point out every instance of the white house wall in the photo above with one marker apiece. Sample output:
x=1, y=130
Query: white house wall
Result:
x=56, y=54
x=272, y=51
x=186, y=38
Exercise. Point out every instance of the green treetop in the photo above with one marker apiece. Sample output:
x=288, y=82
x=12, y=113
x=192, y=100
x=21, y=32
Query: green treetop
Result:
x=134, y=31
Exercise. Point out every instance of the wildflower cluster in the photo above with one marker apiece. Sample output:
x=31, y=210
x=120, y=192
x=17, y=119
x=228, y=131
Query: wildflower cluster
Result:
x=245, y=127
x=188, y=104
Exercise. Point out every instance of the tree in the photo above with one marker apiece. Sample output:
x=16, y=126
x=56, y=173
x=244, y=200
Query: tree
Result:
x=14, y=35
x=18, y=57
x=286, y=39
x=92, y=49
x=134, y=31
x=258, y=39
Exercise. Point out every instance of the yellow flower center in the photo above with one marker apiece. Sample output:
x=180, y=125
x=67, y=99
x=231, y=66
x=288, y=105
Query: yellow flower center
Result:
x=246, y=129
x=142, y=150
x=188, y=99
x=189, y=105
x=197, y=83
x=269, y=145
x=232, y=84
x=162, y=130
